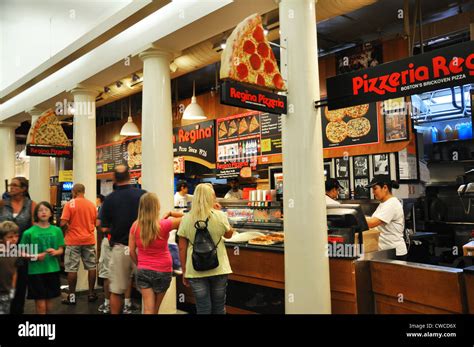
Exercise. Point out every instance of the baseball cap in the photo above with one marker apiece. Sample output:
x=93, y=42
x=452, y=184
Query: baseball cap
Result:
x=380, y=180
x=332, y=183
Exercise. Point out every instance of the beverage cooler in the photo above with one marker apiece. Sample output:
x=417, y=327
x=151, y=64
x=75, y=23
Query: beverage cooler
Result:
x=61, y=193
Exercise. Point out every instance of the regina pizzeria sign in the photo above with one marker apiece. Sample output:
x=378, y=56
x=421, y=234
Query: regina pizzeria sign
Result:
x=442, y=68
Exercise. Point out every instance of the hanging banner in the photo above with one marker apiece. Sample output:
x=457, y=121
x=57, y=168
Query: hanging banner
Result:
x=196, y=142
x=442, y=68
x=47, y=138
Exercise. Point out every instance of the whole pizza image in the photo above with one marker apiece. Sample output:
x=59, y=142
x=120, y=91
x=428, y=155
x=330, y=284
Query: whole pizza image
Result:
x=211, y=157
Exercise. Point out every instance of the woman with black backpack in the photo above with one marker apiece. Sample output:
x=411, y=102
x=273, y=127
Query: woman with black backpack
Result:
x=203, y=253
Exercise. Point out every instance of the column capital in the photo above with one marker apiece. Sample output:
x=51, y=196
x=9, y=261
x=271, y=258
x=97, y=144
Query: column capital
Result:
x=155, y=52
x=13, y=125
x=82, y=89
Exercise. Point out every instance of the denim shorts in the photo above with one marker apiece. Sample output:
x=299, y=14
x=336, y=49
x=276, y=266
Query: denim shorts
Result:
x=158, y=281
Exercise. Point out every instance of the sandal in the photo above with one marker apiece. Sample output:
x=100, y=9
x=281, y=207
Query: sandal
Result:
x=92, y=297
x=68, y=301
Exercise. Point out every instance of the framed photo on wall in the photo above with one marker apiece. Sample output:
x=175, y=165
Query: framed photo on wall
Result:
x=395, y=116
x=381, y=164
x=360, y=190
x=345, y=191
x=361, y=166
x=342, y=167
x=327, y=169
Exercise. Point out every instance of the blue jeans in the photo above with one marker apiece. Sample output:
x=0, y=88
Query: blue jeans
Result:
x=174, y=251
x=210, y=293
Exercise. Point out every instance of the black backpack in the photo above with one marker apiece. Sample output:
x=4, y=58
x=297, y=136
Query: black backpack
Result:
x=204, y=250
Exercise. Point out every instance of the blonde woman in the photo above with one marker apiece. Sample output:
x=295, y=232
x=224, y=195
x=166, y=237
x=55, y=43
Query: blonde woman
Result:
x=149, y=235
x=209, y=287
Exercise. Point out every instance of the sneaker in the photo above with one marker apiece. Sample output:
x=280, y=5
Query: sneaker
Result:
x=127, y=309
x=104, y=308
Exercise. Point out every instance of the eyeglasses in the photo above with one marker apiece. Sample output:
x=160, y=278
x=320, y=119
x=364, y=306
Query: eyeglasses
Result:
x=14, y=185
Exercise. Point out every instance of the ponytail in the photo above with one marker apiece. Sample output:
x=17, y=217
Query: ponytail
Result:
x=394, y=184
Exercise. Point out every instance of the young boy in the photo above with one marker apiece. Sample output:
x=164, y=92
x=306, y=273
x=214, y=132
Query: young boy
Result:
x=8, y=265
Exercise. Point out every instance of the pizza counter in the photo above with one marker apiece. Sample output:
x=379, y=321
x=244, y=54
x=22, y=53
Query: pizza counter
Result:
x=258, y=281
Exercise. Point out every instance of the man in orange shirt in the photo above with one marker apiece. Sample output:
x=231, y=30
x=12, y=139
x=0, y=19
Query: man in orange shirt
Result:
x=79, y=221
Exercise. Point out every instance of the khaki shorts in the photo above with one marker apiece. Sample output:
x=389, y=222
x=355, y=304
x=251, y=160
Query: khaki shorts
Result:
x=121, y=269
x=74, y=254
x=104, y=260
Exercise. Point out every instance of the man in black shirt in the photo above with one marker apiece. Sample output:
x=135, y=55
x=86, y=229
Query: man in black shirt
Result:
x=119, y=211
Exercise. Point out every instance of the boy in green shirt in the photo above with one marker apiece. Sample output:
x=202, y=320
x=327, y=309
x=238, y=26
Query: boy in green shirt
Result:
x=43, y=270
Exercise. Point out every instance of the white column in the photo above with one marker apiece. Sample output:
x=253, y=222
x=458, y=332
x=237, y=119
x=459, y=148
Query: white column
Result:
x=39, y=169
x=7, y=146
x=84, y=149
x=84, y=139
x=157, y=145
x=306, y=264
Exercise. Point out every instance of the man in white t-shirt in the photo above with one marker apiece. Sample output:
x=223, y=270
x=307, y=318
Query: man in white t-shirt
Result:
x=388, y=218
x=181, y=198
x=234, y=193
x=332, y=191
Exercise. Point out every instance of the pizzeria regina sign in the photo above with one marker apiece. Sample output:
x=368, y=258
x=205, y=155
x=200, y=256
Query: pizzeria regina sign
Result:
x=442, y=68
x=240, y=95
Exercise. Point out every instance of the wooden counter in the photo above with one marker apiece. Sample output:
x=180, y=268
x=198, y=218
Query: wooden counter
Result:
x=402, y=288
x=469, y=283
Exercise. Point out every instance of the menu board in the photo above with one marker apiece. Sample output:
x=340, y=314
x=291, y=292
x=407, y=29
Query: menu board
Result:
x=128, y=152
x=270, y=134
x=243, y=139
x=350, y=126
x=238, y=145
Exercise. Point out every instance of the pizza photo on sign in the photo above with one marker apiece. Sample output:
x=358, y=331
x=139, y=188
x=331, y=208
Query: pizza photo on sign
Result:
x=232, y=127
x=47, y=131
x=248, y=57
x=254, y=124
x=243, y=126
x=222, y=130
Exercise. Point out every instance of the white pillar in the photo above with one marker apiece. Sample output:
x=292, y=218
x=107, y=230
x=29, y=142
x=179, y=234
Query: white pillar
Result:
x=307, y=287
x=39, y=169
x=84, y=157
x=7, y=146
x=157, y=144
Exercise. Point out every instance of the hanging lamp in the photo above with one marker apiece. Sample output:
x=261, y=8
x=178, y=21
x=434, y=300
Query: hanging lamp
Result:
x=193, y=111
x=129, y=128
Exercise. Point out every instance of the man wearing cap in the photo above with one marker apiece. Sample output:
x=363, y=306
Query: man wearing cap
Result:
x=388, y=218
x=332, y=191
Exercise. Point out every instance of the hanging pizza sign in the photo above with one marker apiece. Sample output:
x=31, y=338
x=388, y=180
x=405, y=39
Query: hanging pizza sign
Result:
x=47, y=138
x=249, y=60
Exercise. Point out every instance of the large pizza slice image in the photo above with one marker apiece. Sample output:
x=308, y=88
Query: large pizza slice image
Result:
x=47, y=131
x=248, y=57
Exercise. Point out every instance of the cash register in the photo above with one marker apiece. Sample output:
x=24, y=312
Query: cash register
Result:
x=344, y=221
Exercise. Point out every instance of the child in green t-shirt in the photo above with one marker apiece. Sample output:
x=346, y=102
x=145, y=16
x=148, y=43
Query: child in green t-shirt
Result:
x=43, y=270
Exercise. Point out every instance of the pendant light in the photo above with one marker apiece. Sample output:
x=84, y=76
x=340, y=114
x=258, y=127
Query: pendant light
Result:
x=193, y=111
x=129, y=128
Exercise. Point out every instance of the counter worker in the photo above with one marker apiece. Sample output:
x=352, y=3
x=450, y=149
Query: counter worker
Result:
x=181, y=198
x=234, y=193
x=388, y=218
x=332, y=191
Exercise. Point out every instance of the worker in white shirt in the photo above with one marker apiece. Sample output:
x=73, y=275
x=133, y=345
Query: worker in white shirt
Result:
x=234, y=193
x=182, y=198
x=388, y=218
x=332, y=191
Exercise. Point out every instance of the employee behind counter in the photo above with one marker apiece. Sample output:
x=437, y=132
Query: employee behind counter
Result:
x=388, y=218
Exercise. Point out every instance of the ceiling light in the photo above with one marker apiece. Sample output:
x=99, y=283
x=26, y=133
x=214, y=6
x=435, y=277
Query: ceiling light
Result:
x=173, y=67
x=106, y=89
x=223, y=44
x=193, y=111
x=129, y=128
